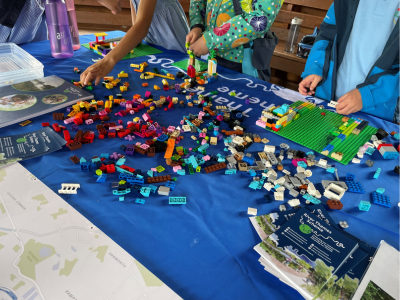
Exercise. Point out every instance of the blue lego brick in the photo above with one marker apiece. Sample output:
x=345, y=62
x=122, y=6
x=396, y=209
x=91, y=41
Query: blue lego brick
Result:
x=94, y=160
x=252, y=172
x=341, y=136
x=312, y=199
x=390, y=155
x=85, y=166
x=396, y=136
x=230, y=171
x=355, y=187
x=105, y=155
x=162, y=138
x=377, y=173
x=140, y=201
x=181, y=172
x=364, y=205
x=381, y=199
x=350, y=177
x=249, y=160
x=152, y=187
x=170, y=184
x=380, y=190
x=102, y=178
x=121, y=198
x=177, y=200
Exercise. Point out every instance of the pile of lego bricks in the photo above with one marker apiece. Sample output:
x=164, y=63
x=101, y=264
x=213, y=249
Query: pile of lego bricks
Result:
x=318, y=129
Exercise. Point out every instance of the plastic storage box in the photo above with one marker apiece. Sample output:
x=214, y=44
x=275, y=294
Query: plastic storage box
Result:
x=17, y=65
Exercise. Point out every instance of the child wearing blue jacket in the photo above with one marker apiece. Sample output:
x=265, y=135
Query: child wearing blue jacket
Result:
x=355, y=58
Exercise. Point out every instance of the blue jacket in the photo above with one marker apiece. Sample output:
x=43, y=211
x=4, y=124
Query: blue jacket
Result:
x=380, y=90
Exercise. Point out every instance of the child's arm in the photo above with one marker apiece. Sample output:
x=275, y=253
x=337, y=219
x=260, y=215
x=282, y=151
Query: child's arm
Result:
x=132, y=38
x=252, y=24
x=313, y=72
x=377, y=90
x=197, y=14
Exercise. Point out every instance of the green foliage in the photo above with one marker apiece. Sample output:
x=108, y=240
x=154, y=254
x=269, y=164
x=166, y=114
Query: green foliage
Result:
x=374, y=292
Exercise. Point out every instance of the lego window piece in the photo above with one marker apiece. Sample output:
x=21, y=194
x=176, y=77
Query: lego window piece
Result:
x=177, y=200
x=364, y=205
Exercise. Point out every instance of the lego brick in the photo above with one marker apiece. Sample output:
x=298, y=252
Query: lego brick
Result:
x=334, y=204
x=381, y=199
x=364, y=205
x=252, y=211
x=215, y=167
x=158, y=179
x=334, y=192
x=355, y=187
x=163, y=190
x=177, y=200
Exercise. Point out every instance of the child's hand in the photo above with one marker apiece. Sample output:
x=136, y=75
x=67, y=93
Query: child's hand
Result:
x=349, y=103
x=113, y=5
x=199, y=48
x=193, y=35
x=308, y=85
x=97, y=71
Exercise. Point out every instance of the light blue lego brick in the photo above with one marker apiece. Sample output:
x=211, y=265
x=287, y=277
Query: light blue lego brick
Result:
x=121, y=198
x=193, y=161
x=277, y=186
x=119, y=169
x=150, y=173
x=364, y=205
x=82, y=160
x=312, y=199
x=105, y=155
x=122, y=192
x=396, y=136
x=281, y=110
x=390, y=155
x=380, y=190
x=181, y=172
x=302, y=164
x=152, y=187
x=377, y=173
x=139, y=176
x=145, y=191
x=370, y=150
x=120, y=162
x=177, y=200
x=331, y=170
x=140, y=201
x=230, y=171
x=96, y=160
x=254, y=185
x=252, y=172
x=220, y=159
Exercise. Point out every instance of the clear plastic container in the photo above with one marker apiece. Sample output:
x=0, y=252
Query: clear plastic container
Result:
x=291, y=42
x=17, y=65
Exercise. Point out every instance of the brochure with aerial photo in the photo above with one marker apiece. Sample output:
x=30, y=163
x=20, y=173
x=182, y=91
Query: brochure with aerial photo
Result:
x=21, y=101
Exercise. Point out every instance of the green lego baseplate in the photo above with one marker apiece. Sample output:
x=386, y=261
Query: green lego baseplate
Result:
x=140, y=50
x=183, y=64
x=313, y=129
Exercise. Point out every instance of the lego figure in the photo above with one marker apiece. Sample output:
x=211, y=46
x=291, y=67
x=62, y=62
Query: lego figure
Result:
x=214, y=26
x=159, y=22
x=346, y=66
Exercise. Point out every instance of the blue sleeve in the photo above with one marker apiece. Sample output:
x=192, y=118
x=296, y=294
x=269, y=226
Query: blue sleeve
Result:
x=379, y=89
x=323, y=44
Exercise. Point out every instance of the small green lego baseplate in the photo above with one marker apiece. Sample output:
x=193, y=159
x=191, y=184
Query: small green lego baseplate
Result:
x=183, y=64
x=140, y=50
x=312, y=131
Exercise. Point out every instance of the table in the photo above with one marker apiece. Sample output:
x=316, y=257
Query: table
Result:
x=202, y=250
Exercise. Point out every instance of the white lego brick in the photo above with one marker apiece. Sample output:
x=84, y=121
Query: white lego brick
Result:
x=322, y=162
x=268, y=164
x=286, y=172
x=280, y=189
x=268, y=186
x=360, y=154
x=69, y=188
x=282, y=207
x=334, y=192
x=279, y=181
x=278, y=196
x=355, y=160
x=300, y=169
x=294, y=202
x=269, y=149
x=252, y=211
x=318, y=195
x=238, y=140
x=332, y=104
x=308, y=173
x=186, y=128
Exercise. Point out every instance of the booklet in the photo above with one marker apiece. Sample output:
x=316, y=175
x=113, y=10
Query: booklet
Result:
x=306, y=251
x=381, y=281
x=29, y=99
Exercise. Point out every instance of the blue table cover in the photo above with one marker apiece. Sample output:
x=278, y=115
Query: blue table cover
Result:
x=204, y=249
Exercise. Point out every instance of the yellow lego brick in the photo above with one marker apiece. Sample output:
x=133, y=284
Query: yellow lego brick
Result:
x=109, y=78
x=123, y=75
x=164, y=82
x=157, y=88
x=24, y=123
x=135, y=66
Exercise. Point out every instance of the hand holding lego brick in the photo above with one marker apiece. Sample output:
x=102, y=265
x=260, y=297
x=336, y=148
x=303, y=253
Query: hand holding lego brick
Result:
x=97, y=71
x=199, y=47
x=193, y=35
x=308, y=85
x=349, y=103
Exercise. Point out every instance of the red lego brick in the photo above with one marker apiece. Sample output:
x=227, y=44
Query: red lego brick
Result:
x=46, y=124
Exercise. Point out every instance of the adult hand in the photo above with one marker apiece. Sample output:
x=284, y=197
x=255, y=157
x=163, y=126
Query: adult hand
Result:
x=97, y=71
x=113, y=5
x=199, y=48
x=349, y=103
x=193, y=35
x=311, y=82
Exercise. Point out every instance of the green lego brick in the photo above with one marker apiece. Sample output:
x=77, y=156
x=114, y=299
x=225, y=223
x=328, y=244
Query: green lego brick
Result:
x=140, y=50
x=183, y=64
x=312, y=130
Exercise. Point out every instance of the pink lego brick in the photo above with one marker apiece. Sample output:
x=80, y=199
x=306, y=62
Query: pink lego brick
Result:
x=89, y=121
x=176, y=168
x=147, y=94
x=146, y=117
x=207, y=157
x=68, y=121
x=261, y=123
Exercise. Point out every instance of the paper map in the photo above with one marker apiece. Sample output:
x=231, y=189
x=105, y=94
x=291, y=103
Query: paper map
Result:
x=48, y=250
